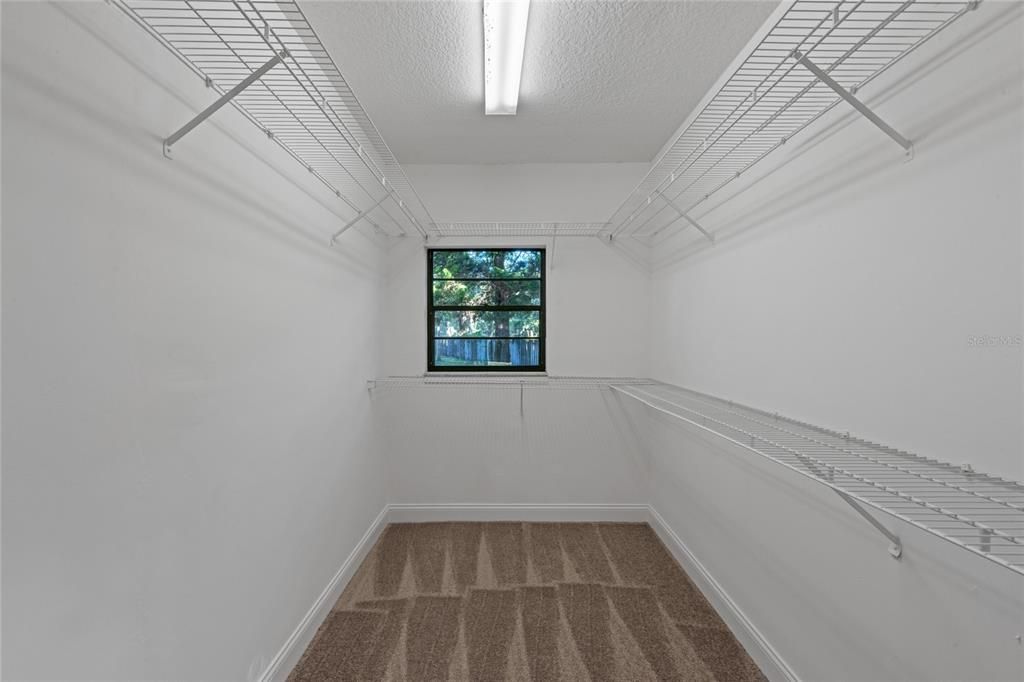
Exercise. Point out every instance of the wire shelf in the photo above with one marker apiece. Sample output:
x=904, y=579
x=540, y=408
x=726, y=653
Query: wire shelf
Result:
x=980, y=513
x=771, y=96
x=498, y=229
x=506, y=380
x=303, y=103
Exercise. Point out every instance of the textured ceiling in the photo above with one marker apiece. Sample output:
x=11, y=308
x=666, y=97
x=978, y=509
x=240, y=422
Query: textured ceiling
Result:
x=603, y=80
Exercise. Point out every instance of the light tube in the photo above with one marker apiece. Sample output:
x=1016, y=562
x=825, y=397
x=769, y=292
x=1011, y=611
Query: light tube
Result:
x=504, y=43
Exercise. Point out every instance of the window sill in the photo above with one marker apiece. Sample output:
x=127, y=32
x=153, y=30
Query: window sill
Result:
x=500, y=374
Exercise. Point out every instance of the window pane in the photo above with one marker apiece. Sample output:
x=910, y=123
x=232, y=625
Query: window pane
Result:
x=469, y=323
x=486, y=352
x=484, y=292
x=474, y=334
x=477, y=264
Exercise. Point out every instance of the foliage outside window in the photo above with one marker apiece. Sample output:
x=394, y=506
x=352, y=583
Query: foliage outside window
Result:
x=485, y=310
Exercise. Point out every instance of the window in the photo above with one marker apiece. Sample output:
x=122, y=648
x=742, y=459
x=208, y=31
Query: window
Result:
x=485, y=310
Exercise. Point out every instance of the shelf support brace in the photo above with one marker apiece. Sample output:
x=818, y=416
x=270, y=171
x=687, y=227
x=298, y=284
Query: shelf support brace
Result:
x=907, y=145
x=359, y=216
x=682, y=214
x=895, y=546
x=554, y=239
x=224, y=99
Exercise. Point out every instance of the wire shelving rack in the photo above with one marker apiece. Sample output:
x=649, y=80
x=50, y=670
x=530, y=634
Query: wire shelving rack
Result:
x=510, y=380
x=301, y=101
x=975, y=511
x=817, y=53
x=505, y=229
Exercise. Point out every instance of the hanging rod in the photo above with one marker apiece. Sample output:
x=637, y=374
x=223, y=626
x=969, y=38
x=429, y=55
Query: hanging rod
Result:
x=518, y=229
x=766, y=97
x=982, y=514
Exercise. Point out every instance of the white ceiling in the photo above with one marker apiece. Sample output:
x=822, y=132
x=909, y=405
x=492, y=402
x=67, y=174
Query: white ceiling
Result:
x=603, y=80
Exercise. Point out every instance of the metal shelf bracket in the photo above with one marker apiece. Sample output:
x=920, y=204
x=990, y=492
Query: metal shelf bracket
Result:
x=362, y=214
x=895, y=546
x=224, y=99
x=684, y=216
x=820, y=74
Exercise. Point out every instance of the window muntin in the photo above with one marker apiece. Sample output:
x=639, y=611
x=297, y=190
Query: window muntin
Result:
x=485, y=310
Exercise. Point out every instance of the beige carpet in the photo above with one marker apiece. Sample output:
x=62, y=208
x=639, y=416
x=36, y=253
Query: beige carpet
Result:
x=534, y=602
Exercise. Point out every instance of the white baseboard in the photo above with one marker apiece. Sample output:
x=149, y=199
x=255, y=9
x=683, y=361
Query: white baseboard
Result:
x=763, y=653
x=293, y=649
x=405, y=513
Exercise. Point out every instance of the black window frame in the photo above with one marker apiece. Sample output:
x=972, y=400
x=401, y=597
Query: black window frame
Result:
x=542, y=308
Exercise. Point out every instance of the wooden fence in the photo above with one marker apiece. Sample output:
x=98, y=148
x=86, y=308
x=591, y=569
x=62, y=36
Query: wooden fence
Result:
x=469, y=351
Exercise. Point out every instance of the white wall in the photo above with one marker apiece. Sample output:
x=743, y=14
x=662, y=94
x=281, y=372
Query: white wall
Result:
x=597, y=303
x=493, y=445
x=847, y=283
x=524, y=192
x=843, y=291
x=570, y=446
x=187, y=455
x=598, y=295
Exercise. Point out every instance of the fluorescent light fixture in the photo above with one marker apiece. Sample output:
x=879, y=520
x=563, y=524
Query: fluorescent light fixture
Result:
x=504, y=42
